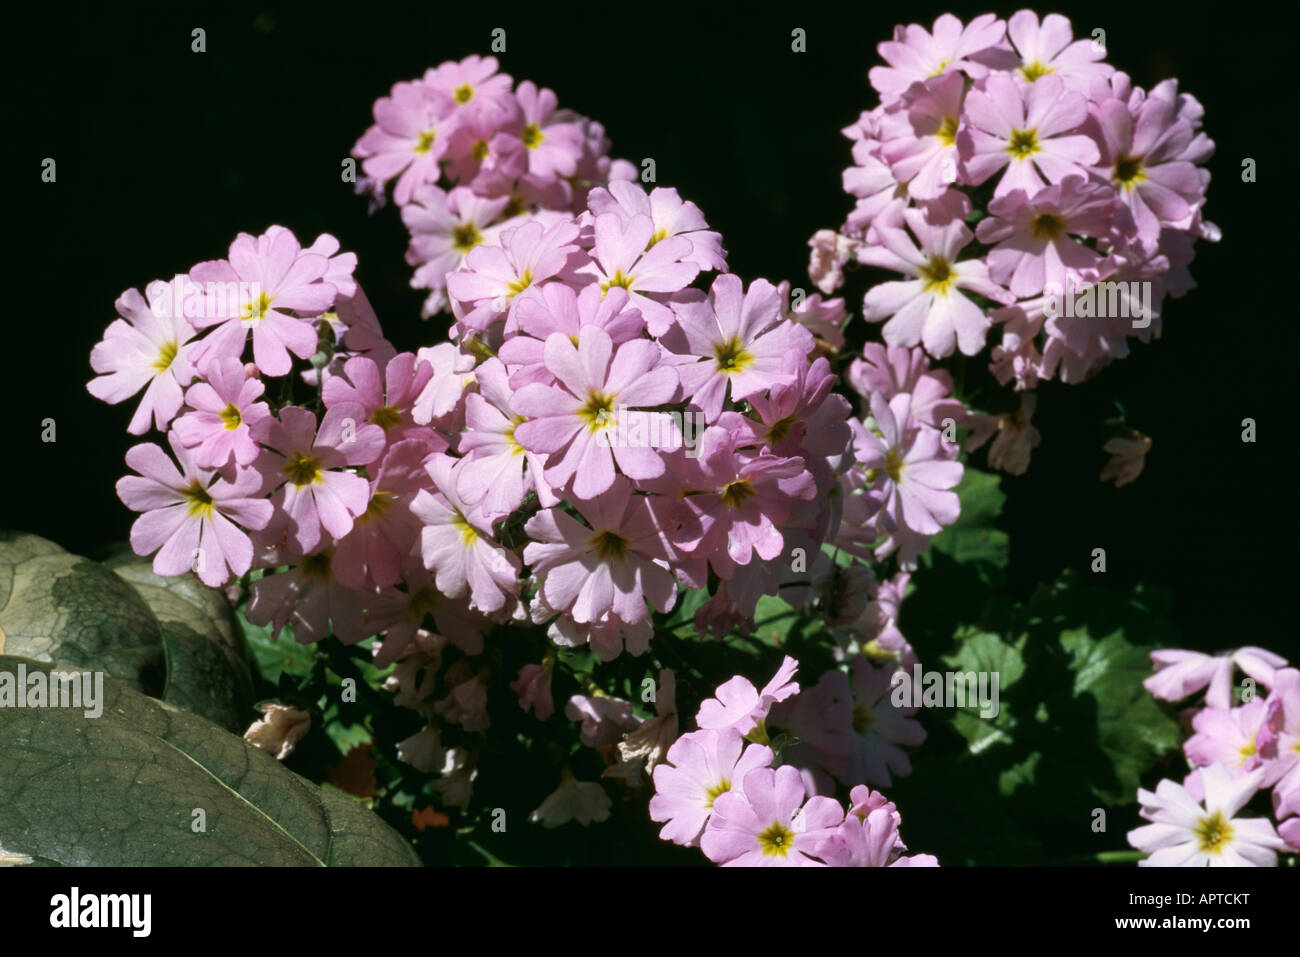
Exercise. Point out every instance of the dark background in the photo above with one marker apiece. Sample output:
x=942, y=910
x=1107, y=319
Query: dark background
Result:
x=164, y=155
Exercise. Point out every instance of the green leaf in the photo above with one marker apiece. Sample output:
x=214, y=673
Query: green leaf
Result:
x=60, y=607
x=208, y=668
x=277, y=656
x=973, y=539
x=123, y=789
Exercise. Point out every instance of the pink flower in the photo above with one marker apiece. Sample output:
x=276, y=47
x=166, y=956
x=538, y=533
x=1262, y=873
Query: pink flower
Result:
x=740, y=340
x=908, y=471
x=189, y=518
x=604, y=720
x=146, y=349
x=830, y=253
x=740, y=708
x=277, y=282
x=670, y=215
x=1050, y=49
x=386, y=531
x=1227, y=736
x=529, y=255
x=739, y=502
x=484, y=151
x=1186, y=832
x=879, y=727
x=1181, y=673
x=894, y=369
x=920, y=142
x=1128, y=454
x=305, y=464
x=226, y=423
x=308, y=598
x=472, y=85
x=458, y=547
x=442, y=395
x=766, y=823
x=553, y=143
x=496, y=471
x=627, y=254
x=1029, y=130
x=445, y=227
x=1279, y=743
x=869, y=836
x=611, y=566
x=570, y=420
x=915, y=54
x=929, y=308
x=701, y=766
x=387, y=402
x=408, y=138
x=534, y=689
x=1037, y=248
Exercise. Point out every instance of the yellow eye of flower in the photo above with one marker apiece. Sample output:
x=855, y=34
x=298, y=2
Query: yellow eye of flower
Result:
x=257, y=310
x=302, y=469
x=424, y=142
x=737, y=493
x=938, y=275
x=947, y=131
x=1129, y=171
x=712, y=794
x=777, y=840
x=200, y=500
x=618, y=279
x=732, y=356
x=1213, y=832
x=1032, y=71
x=386, y=417
x=1046, y=226
x=463, y=93
x=520, y=284
x=598, y=411
x=166, y=356
x=231, y=417
x=533, y=136
x=1023, y=144
x=468, y=533
x=609, y=546
x=465, y=237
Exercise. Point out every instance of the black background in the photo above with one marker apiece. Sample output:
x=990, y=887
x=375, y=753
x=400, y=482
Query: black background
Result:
x=164, y=155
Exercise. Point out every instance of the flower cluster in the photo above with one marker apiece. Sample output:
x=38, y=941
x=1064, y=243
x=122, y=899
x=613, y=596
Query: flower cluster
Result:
x=722, y=789
x=1234, y=752
x=1017, y=180
x=473, y=155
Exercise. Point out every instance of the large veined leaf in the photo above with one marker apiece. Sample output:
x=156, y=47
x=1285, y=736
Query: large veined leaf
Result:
x=207, y=660
x=56, y=606
x=132, y=786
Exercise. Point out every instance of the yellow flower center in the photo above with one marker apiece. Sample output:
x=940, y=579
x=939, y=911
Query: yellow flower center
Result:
x=463, y=93
x=780, y=428
x=316, y=566
x=480, y=150
x=465, y=237
x=943, y=65
x=777, y=840
x=1213, y=833
x=938, y=275
x=1023, y=144
x=862, y=719
x=947, y=131
x=516, y=421
x=515, y=206
x=1046, y=226
x=618, y=279
x=658, y=235
x=532, y=136
x=380, y=504
x=894, y=465
x=258, y=309
x=302, y=469
x=598, y=411
x=468, y=533
x=609, y=546
x=737, y=493
x=1129, y=172
x=519, y=285
x=166, y=356
x=200, y=500
x=711, y=795
x=1032, y=71
x=732, y=356
x=386, y=417
x=231, y=417
x=424, y=142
